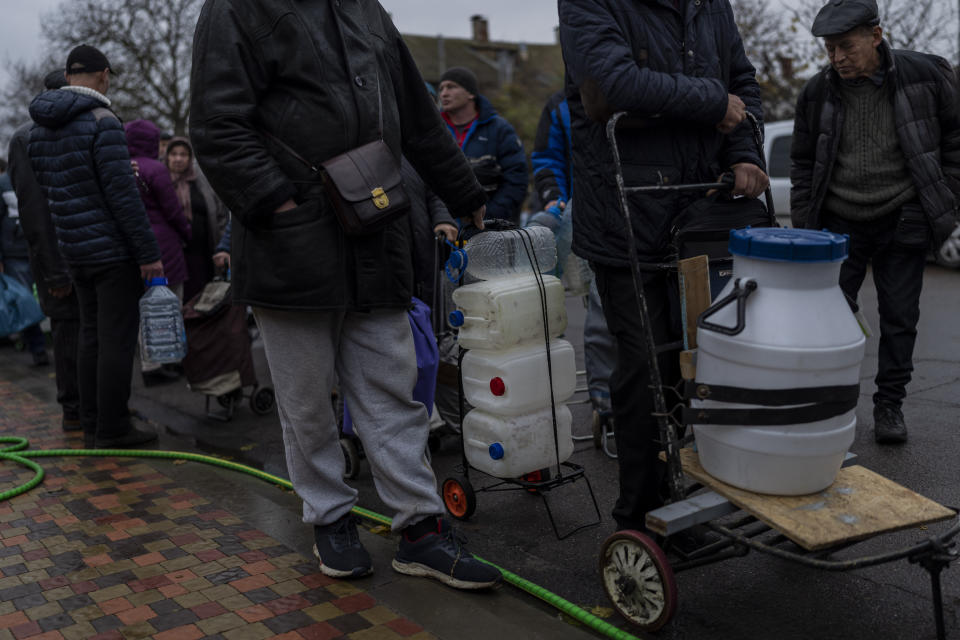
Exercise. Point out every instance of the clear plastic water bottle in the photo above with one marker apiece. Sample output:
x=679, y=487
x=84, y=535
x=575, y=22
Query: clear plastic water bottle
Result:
x=495, y=254
x=163, y=337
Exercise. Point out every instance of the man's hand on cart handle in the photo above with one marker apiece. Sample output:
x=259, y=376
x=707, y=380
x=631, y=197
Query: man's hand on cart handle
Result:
x=477, y=217
x=736, y=113
x=750, y=180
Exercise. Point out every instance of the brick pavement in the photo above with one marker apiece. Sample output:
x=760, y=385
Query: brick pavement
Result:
x=110, y=548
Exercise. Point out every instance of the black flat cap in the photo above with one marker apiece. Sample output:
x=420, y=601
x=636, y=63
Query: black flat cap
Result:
x=840, y=16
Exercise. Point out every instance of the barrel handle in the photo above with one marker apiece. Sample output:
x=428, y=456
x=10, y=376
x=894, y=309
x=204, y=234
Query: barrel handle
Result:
x=742, y=288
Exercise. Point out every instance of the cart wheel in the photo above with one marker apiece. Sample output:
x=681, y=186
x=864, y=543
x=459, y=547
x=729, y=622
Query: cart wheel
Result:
x=433, y=442
x=351, y=456
x=459, y=498
x=236, y=395
x=261, y=401
x=597, y=430
x=638, y=579
x=540, y=475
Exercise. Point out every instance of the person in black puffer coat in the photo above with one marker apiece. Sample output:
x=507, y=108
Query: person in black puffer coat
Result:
x=680, y=68
x=279, y=88
x=78, y=153
x=876, y=155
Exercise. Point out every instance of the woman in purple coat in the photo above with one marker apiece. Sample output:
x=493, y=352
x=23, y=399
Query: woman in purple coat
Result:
x=167, y=219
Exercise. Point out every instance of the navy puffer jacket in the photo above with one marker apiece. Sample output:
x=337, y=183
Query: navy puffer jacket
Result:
x=78, y=152
x=492, y=137
x=672, y=70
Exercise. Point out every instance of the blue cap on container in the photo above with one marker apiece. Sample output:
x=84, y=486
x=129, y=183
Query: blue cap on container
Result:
x=455, y=318
x=155, y=282
x=496, y=451
x=789, y=245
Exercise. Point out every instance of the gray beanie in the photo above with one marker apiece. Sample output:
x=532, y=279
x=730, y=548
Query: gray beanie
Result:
x=463, y=77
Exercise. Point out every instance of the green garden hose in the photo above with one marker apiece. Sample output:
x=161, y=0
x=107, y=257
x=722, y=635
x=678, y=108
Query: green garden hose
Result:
x=17, y=452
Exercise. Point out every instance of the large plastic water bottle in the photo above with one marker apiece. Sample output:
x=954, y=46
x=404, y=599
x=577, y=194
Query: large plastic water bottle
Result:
x=163, y=337
x=495, y=254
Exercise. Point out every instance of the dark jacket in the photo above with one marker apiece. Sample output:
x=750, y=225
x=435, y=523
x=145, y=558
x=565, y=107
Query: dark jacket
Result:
x=674, y=72
x=13, y=243
x=308, y=73
x=552, y=165
x=47, y=264
x=426, y=212
x=496, y=153
x=169, y=224
x=928, y=128
x=79, y=155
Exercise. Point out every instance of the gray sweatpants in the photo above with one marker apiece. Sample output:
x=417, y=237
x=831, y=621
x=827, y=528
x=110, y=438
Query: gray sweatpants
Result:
x=373, y=358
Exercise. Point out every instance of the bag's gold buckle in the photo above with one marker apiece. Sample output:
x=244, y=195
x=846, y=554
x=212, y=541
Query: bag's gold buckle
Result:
x=380, y=199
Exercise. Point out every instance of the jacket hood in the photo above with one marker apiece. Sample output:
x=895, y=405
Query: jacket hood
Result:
x=485, y=110
x=56, y=108
x=143, y=139
x=174, y=141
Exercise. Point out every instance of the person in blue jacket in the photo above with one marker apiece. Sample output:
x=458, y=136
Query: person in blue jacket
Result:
x=490, y=143
x=552, y=164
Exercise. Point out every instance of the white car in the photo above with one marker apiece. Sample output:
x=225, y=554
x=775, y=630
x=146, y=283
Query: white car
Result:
x=778, y=136
x=776, y=150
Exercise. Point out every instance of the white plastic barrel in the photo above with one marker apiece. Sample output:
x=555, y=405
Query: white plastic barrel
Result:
x=501, y=313
x=512, y=446
x=798, y=332
x=515, y=381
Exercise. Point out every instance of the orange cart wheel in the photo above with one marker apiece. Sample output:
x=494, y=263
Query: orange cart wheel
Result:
x=459, y=498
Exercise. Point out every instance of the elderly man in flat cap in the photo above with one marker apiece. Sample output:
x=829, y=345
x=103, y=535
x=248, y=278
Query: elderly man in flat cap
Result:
x=876, y=155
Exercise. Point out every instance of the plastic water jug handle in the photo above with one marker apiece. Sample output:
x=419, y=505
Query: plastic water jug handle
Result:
x=742, y=288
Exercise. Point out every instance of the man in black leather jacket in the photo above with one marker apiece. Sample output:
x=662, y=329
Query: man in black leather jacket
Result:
x=275, y=80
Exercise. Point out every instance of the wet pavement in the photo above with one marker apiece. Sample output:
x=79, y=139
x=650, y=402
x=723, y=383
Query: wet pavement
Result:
x=755, y=596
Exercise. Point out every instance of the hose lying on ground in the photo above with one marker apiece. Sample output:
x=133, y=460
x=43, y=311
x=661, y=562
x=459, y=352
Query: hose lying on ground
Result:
x=16, y=452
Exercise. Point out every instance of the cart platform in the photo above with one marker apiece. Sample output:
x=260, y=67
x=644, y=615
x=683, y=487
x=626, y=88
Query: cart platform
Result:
x=858, y=505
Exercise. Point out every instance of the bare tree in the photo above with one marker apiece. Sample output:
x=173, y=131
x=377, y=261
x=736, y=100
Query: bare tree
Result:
x=769, y=41
x=26, y=81
x=148, y=41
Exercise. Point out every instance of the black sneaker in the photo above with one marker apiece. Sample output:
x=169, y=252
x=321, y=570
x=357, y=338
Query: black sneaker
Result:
x=131, y=438
x=337, y=546
x=888, y=425
x=441, y=555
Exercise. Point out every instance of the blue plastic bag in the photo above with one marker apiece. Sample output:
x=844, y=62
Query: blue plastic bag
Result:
x=428, y=361
x=18, y=308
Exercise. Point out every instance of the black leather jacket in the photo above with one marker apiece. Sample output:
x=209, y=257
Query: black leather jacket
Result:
x=319, y=75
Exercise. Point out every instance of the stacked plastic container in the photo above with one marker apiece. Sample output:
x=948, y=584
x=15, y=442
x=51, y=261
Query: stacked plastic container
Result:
x=506, y=374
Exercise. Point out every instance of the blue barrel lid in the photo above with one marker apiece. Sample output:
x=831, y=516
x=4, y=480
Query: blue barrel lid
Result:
x=789, y=245
x=155, y=282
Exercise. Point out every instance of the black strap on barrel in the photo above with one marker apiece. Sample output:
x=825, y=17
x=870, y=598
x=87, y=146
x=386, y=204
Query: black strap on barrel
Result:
x=815, y=404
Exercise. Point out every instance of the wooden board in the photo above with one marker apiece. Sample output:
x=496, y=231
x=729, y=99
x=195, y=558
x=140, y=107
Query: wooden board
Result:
x=695, y=289
x=858, y=505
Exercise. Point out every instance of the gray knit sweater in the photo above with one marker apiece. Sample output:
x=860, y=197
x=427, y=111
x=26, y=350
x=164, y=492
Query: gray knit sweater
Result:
x=870, y=178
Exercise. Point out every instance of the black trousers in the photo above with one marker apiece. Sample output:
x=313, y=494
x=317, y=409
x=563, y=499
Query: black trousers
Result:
x=66, y=343
x=637, y=433
x=898, y=264
x=109, y=298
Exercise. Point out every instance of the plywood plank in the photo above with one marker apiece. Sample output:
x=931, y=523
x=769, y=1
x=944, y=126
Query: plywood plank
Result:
x=858, y=505
x=695, y=290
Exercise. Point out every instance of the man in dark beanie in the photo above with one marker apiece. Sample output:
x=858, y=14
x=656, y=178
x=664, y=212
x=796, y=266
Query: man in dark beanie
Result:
x=876, y=155
x=57, y=298
x=491, y=145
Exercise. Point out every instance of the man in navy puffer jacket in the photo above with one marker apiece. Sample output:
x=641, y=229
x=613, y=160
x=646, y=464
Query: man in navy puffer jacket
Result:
x=78, y=152
x=679, y=66
x=489, y=142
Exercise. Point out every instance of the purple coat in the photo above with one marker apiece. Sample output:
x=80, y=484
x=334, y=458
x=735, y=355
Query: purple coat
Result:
x=169, y=224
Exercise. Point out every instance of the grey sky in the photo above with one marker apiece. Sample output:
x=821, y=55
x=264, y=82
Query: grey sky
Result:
x=523, y=20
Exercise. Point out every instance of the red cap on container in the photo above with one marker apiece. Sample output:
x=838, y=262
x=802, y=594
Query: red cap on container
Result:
x=497, y=387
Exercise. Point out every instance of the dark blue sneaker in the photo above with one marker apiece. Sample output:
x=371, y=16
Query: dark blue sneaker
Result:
x=337, y=547
x=441, y=555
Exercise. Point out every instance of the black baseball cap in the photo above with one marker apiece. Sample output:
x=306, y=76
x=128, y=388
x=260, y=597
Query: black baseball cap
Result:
x=840, y=16
x=87, y=59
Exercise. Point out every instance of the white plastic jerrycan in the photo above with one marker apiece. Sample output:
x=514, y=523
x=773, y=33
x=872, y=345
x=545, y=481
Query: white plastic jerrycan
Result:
x=501, y=313
x=516, y=381
x=512, y=446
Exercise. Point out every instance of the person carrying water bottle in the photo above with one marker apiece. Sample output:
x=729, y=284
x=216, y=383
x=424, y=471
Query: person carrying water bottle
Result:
x=78, y=153
x=317, y=81
x=681, y=67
